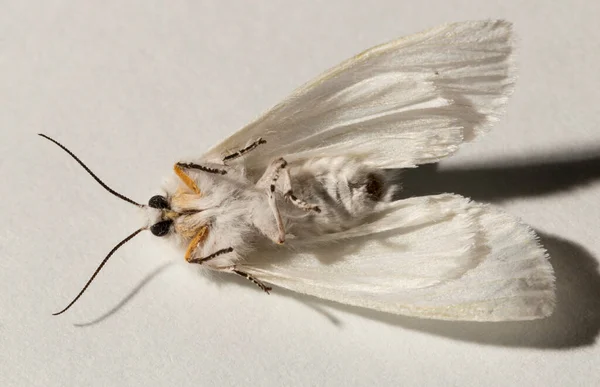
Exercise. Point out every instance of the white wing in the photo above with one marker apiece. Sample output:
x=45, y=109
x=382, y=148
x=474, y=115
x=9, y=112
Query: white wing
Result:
x=407, y=102
x=441, y=257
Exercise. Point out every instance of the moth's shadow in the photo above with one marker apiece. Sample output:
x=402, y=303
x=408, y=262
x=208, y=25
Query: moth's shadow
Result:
x=510, y=179
x=149, y=277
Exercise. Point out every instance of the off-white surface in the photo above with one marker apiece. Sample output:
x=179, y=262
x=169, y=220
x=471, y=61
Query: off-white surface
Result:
x=132, y=86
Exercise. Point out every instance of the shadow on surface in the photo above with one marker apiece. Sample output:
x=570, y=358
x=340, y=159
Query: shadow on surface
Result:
x=494, y=183
x=149, y=277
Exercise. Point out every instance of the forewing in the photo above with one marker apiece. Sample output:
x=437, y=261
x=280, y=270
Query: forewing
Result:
x=441, y=257
x=411, y=101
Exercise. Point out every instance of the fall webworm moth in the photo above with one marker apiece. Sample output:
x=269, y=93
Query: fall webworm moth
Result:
x=308, y=175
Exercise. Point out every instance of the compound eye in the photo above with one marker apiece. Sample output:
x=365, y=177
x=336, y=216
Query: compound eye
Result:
x=161, y=228
x=159, y=202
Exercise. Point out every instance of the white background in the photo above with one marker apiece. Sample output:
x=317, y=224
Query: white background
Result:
x=133, y=86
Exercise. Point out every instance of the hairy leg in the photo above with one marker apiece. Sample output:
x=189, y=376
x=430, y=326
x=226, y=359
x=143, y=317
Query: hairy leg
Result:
x=243, y=151
x=277, y=179
x=258, y=283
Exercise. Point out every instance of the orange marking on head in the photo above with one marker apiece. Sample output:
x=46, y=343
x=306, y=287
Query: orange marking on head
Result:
x=199, y=238
x=188, y=181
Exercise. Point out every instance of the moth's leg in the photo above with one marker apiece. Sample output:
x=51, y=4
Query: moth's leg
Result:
x=211, y=256
x=187, y=180
x=271, y=175
x=198, y=239
x=285, y=187
x=243, y=151
x=273, y=204
x=258, y=283
x=282, y=182
x=267, y=182
x=277, y=177
x=203, y=168
x=263, y=221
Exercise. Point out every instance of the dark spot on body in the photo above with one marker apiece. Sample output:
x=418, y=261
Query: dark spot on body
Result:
x=375, y=186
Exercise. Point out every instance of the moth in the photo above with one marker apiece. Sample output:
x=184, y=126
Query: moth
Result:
x=300, y=197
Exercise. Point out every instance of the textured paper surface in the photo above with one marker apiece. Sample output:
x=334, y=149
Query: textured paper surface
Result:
x=134, y=86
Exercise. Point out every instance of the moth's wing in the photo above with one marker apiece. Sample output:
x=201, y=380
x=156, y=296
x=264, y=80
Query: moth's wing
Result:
x=441, y=257
x=411, y=101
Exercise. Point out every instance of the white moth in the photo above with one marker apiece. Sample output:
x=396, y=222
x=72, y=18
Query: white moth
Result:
x=309, y=175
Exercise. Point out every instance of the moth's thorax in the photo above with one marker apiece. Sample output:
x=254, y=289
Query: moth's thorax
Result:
x=220, y=198
x=188, y=213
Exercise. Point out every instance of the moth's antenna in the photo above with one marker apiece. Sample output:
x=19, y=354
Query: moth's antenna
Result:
x=99, y=268
x=112, y=191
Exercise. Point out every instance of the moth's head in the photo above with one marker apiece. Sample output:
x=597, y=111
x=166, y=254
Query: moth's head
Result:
x=160, y=214
x=159, y=210
x=163, y=222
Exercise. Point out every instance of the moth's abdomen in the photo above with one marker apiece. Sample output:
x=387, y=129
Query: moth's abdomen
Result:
x=345, y=189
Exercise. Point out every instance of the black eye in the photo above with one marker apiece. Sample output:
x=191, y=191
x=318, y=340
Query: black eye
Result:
x=159, y=202
x=161, y=228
